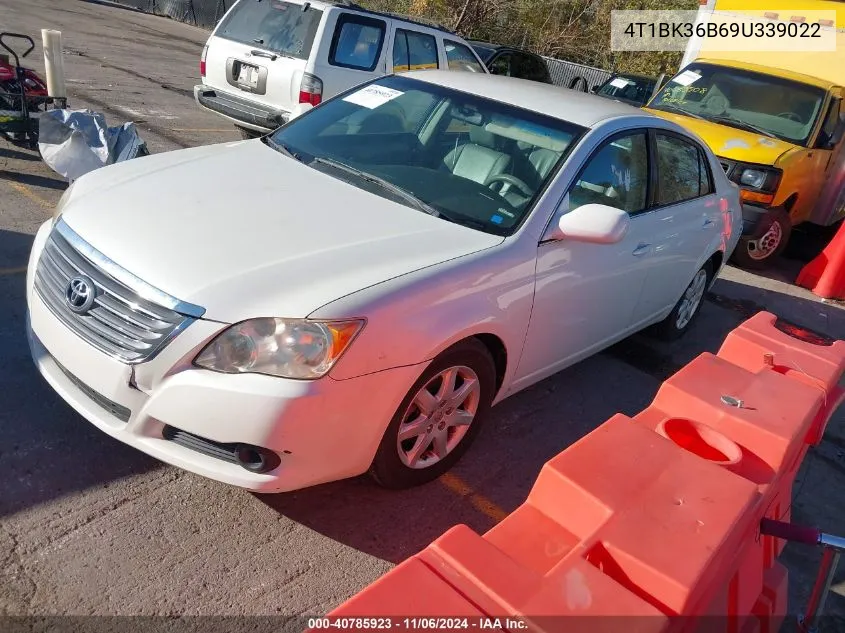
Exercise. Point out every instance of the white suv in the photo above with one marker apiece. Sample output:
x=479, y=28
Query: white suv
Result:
x=268, y=60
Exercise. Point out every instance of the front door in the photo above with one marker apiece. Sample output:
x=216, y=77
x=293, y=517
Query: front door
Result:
x=586, y=293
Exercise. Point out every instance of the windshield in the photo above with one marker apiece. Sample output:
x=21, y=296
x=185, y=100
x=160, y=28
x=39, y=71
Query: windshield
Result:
x=466, y=159
x=630, y=89
x=743, y=99
x=286, y=28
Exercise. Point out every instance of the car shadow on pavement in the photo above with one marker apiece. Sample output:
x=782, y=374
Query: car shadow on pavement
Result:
x=48, y=450
x=527, y=430
x=33, y=180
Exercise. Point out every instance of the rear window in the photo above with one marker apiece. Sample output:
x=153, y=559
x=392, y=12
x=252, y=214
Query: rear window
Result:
x=286, y=28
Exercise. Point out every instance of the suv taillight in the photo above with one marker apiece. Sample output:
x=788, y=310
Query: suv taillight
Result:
x=311, y=89
x=202, y=61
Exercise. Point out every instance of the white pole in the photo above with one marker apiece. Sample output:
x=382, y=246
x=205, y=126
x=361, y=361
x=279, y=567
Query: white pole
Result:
x=54, y=63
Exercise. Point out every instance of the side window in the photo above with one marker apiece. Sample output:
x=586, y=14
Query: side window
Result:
x=616, y=175
x=679, y=171
x=832, y=120
x=501, y=65
x=413, y=51
x=357, y=42
x=461, y=58
x=536, y=68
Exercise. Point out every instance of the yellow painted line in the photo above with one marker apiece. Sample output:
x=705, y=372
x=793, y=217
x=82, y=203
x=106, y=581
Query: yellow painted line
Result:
x=29, y=193
x=481, y=503
x=13, y=271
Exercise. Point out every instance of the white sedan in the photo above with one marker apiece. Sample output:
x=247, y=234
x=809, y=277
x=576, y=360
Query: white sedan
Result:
x=354, y=291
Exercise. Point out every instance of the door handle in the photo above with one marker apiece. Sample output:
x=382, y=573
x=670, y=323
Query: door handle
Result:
x=641, y=249
x=707, y=222
x=269, y=56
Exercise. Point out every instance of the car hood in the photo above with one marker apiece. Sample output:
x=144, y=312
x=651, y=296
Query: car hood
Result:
x=730, y=142
x=244, y=231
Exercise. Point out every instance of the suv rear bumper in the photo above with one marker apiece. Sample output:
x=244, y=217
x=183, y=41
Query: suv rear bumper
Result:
x=240, y=111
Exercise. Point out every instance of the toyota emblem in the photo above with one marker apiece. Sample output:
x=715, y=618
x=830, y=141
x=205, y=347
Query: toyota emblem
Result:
x=80, y=294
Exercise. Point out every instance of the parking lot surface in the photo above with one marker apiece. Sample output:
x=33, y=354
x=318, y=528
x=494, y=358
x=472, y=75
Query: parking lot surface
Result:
x=89, y=526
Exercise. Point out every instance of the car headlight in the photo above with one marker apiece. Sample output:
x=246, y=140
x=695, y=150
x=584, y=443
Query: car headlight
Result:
x=60, y=205
x=288, y=348
x=761, y=179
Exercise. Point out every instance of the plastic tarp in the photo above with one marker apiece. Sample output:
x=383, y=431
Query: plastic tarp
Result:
x=74, y=142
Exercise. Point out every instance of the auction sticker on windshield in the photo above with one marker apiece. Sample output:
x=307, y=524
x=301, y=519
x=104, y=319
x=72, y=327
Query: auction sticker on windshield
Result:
x=687, y=78
x=373, y=96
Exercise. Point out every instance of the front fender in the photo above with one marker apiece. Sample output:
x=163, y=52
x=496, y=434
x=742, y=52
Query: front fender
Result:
x=413, y=318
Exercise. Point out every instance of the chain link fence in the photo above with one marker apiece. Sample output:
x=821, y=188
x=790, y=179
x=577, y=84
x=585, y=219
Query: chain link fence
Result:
x=202, y=13
x=575, y=76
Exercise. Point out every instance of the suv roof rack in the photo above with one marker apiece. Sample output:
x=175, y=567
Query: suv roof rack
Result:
x=349, y=4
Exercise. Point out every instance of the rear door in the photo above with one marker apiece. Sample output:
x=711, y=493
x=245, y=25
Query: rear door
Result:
x=685, y=222
x=354, y=49
x=260, y=50
x=413, y=50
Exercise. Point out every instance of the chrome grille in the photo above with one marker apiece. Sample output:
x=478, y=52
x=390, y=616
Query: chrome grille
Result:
x=123, y=321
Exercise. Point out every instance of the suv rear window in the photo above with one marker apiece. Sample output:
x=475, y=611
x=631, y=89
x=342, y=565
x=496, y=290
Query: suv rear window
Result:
x=286, y=28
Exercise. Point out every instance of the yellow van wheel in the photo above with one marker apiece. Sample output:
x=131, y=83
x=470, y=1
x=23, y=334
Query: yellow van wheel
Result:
x=759, y=250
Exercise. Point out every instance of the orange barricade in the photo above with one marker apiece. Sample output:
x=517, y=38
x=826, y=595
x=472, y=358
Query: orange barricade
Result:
x=645, y=518
x=825, y=275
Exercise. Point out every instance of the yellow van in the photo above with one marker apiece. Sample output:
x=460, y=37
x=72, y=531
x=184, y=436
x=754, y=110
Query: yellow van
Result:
x=776, y=120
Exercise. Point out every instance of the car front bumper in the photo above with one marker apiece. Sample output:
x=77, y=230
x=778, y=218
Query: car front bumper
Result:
x=322, y=430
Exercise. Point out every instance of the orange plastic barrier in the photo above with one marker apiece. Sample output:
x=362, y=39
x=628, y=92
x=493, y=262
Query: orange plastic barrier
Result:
x=825, y=275
x=645, y=518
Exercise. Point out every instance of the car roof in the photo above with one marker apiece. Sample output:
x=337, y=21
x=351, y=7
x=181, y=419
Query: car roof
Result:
x=574, y=106
x=498, y=47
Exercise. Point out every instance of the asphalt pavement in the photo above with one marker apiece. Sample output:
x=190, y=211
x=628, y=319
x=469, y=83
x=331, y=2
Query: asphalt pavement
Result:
x=89, y=526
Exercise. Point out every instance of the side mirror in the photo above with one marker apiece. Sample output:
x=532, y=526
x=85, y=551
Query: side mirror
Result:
x=594, y=90
x=595, y=223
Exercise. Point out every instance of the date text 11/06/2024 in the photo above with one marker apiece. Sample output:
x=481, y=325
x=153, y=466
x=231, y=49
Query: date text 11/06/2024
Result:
x=422, y=623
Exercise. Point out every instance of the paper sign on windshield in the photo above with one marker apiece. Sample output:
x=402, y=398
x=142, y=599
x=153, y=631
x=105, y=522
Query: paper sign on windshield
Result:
x=619, y=82
x=687, y=78
x=373, y=96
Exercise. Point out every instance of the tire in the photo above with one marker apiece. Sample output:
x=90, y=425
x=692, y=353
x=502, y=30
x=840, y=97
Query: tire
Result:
x=673, y=326
x=774, y=231
x=389, y=469
x=247, y=133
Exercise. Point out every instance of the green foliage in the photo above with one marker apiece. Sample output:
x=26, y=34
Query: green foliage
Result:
x=573, y=30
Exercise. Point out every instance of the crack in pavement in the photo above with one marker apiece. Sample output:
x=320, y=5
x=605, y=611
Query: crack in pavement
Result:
x=152, y=128
x=175, y=89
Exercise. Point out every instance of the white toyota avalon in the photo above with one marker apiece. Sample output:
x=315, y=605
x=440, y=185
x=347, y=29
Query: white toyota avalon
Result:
x=354, y=291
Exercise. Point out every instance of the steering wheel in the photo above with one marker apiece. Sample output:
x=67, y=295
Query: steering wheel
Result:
x=791, y=116
x=509, y=181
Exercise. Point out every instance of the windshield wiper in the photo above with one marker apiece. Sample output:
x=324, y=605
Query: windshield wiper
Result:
x=671, y=108
x=281, y=148
x=465, y=221
x=742, y=125
x=422, y=205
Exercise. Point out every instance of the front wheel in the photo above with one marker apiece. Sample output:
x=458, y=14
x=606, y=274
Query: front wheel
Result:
x=683, y=314
x=438, y=419
x=758, y=251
